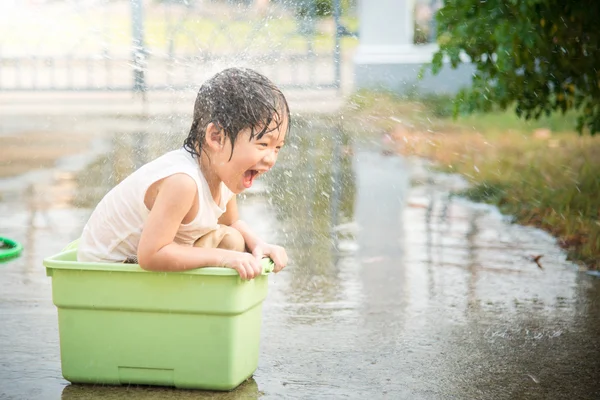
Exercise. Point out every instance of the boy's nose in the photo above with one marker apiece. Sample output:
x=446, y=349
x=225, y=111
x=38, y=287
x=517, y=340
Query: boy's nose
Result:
x=270, y=158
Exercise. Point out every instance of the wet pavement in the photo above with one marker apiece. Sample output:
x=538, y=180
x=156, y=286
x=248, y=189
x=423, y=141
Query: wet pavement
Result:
x=395, y=289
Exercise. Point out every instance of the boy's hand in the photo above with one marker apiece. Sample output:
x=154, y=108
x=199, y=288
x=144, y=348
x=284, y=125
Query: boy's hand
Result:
x=244, y=263
x=276, y=253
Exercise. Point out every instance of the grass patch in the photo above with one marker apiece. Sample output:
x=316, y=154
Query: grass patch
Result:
x=485, y=193
x=542, y=172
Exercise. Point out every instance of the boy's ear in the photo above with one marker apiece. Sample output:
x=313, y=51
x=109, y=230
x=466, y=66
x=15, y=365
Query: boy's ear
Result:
x=215, y=139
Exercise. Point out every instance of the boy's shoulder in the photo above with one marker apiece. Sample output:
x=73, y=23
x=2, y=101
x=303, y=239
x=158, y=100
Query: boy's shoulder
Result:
x=179, y=184
x=181, y=180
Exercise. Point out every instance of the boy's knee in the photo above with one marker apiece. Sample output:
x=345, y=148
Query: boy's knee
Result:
x=224, y=237
x=232, y=240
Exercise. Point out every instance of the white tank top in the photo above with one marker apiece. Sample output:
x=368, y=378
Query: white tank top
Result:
x=113, y=231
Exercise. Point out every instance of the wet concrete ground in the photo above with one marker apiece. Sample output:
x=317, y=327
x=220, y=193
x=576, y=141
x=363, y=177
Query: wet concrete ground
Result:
x=395, y=289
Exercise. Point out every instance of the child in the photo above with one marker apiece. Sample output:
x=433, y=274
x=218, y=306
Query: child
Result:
x=179, y=211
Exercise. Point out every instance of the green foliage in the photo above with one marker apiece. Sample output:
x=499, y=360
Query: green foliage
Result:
x=540, y=56
x=320, y=8
x=323, y=7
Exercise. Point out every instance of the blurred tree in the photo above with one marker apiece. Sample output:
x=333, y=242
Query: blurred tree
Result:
x=320, y=8
x=539, y=55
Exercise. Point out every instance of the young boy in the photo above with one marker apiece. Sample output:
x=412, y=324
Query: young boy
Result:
x=179, y=211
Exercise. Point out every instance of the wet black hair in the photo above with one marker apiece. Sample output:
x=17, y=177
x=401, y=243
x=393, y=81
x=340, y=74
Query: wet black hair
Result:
x=236, y=99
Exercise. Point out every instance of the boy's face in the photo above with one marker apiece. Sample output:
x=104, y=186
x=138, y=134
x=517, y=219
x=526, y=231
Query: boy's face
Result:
x=250, y=158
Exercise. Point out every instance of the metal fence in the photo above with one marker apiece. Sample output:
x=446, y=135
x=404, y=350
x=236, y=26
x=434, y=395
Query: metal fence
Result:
x=140, y=45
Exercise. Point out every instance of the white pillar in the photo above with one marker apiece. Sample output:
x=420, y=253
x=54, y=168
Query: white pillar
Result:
x=385, y=23
x=386, y=56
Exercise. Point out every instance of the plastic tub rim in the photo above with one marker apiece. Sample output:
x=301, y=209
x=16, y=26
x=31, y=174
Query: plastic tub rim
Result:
x=55, y=262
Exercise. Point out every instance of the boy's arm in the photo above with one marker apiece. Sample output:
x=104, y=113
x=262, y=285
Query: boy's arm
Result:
x=158, y=252
x=255, y=244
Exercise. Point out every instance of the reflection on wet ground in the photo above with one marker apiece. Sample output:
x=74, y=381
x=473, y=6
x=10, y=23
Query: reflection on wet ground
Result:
x=396, y=289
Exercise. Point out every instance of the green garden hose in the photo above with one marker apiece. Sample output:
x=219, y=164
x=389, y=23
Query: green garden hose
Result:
x=9, y=249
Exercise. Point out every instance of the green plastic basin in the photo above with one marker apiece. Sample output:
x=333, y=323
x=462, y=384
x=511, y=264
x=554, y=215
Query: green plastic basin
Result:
x=119, y=324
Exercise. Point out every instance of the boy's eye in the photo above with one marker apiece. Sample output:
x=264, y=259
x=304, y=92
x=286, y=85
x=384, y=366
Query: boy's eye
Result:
x=263, y=144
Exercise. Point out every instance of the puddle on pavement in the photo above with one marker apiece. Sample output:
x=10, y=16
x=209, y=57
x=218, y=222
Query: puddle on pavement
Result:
x=395, y=288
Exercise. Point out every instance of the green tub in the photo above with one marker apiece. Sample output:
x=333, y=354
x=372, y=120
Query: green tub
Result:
x=120, y=324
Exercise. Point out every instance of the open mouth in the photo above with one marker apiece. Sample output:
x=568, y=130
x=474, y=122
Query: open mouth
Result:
x=249, y=177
